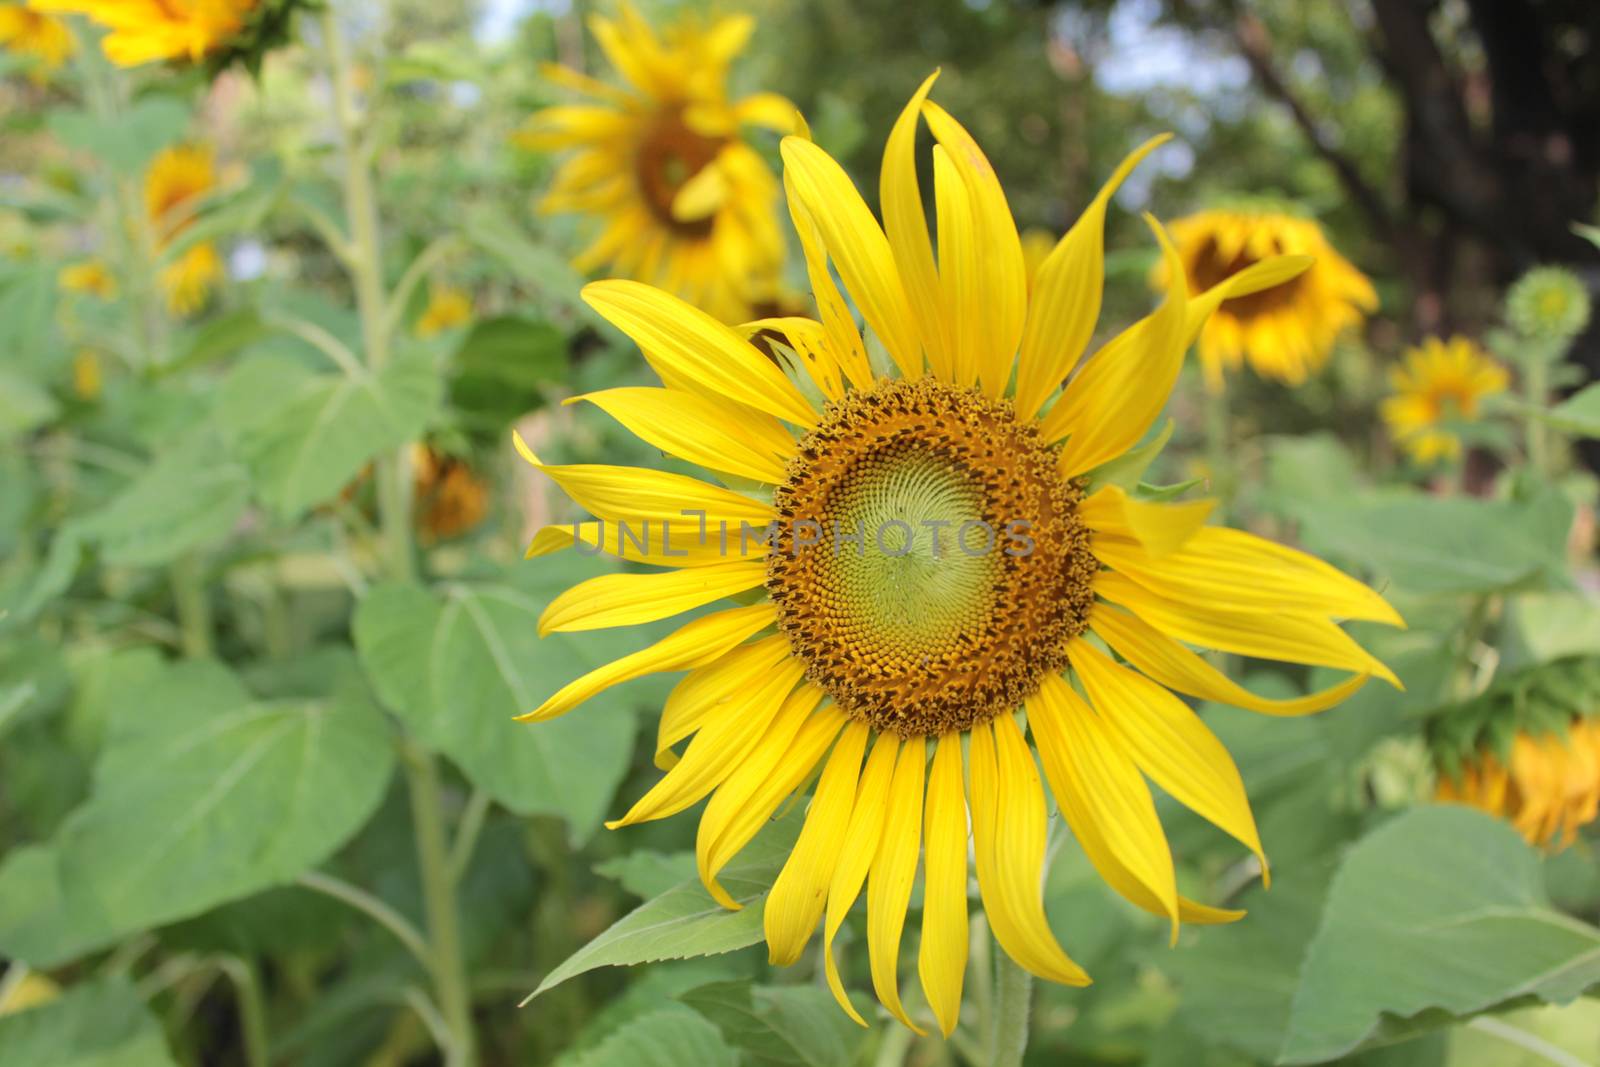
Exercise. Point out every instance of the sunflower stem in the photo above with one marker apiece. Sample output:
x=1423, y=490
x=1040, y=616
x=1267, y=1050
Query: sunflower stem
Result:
x=1013, y=999
x=1536, y=383
x=193, y=605
x=252, y=1009
x=1219, y=448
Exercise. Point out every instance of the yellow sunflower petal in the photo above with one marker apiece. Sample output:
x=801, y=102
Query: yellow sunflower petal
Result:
x=1158, y=528
x=669, y=545
x=809, y=339
x=711, y=685
x=844, y=340
x=1066, y=296
x=1000, y=275
x=781, y=761
x=1168, y=662
x=701, y=641
x=698, y=348
x=631, y=599
x=858, y=247
x=1008, y=835
x=894, y=869
x=726, y=740
x=1169, y=743
x=856, y=855
x=905, y=222
x=801, y=890
x=942, y=957
x=771, y=110
x=718, y=436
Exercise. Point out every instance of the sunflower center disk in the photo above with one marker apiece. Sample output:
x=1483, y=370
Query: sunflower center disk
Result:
x=668, y=156
x=929, y=565
x=1210, y=268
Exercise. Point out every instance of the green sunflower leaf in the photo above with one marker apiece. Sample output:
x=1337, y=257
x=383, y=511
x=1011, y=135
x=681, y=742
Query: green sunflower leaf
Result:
x=794, y=1026
x=673, y=1036
x=1579, y=414
x=685, y=921
x=101, y=1024
x=203, y=794
x=1439, y=915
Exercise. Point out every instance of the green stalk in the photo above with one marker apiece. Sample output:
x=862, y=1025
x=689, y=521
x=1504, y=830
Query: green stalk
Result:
x=252, y=1010
x=194, y=606
x=1536, y=382
x=364, y=260
x=1013, y=1000
x=1219, y=447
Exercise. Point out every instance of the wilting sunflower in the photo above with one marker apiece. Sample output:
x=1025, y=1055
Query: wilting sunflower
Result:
x=31, y=33
x=1439, y=382
x=1548, y=788
x=176, y=181
x=681, y=200
x=931, y=551
x=1286, y=331
x=451, y=499
x=145, y=31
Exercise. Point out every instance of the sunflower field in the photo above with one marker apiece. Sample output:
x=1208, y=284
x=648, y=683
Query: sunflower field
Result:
x=750, y=533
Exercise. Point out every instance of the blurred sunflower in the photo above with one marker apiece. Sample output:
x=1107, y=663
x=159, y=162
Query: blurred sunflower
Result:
x=175, y=182
x=1288, y=330
x=1439, y=382
x=682, y=201
x=90, y=277
x=1547, y=788
x=451, y=498
x=447, y=308
x=144, y=31
x=1084, y=613
x=32, y=33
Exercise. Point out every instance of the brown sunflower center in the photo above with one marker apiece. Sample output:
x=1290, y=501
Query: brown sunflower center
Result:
x=929, y=565
x=1210, y=267
x=671, y=153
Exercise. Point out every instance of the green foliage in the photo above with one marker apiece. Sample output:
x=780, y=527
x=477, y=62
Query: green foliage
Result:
x=100, y=1024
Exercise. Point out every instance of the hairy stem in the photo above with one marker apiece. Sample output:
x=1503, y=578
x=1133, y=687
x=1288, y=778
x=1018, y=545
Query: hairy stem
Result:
x=1013, y=999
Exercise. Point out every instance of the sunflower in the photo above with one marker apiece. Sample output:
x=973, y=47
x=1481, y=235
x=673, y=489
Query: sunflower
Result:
x=932, y=552
x=30, y=33
x=145, y=31
x=90, y=277
x=683, y=201
x=1440, y=381
x=447, y=308
x=1286, y=331
x=451, y=498
x=178, y=178
x=1547, y=788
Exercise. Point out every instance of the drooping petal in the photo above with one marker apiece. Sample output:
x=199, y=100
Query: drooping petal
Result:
x=1008, y=837
x=856, y=855
x=701, y=641
x=858, y=247
x=1169, y=743
x=1103, y=796
x=1168, y=662
x=1288, y=638
x=698, y=349
x=942, y=957
x=894, y=869
x=1157, y=528
x=782, y=760
x=725, y=741
x=1066, y=296
x=1002, y=277
x=631, y=599
x=707, y=687
x=801, y=890
x=723, y=437
x=905, y=222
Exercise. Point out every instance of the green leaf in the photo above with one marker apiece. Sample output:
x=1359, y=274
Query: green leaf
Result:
x=129, y=141
x=1442, y=545
x=646, y=873
x=203, y=795
x=499, y=371
x=100, y=1024
x=1579, y=414
x=794, y=1026
x=458, y=667
x=673, y=1036
x=220, y=337
x=1438, y=915
x=542, y=269
x=306, y=435
x=24, y=405
x=685, y=921
x=37, y=924
x=185, y=499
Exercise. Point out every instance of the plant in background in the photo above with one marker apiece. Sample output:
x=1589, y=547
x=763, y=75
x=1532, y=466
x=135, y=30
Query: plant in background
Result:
x=1286, y=332
x=908, y=647
x=1528, y=750
x=179, y=179
x=448, y=307
x=213, y=32
x=1440, y=385
x=680, y=200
